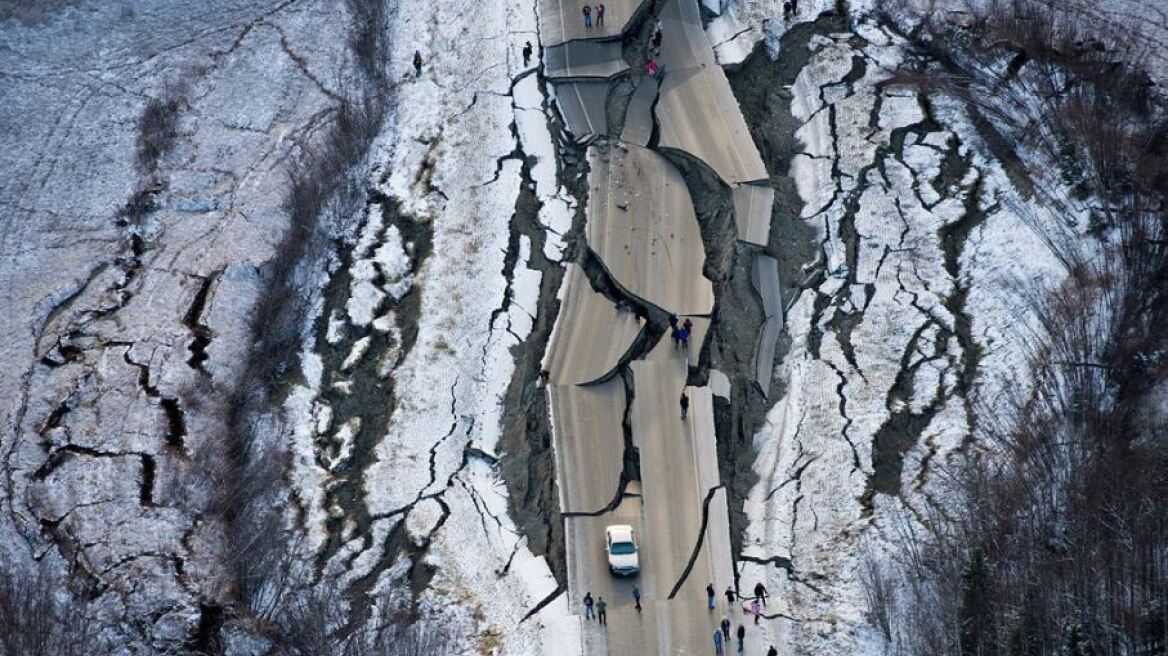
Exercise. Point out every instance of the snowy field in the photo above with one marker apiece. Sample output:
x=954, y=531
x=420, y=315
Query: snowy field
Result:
x=105, y=402
x=127, y=284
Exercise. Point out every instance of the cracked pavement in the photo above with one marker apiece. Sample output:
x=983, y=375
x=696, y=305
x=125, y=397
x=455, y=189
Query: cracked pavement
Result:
x=623, y=452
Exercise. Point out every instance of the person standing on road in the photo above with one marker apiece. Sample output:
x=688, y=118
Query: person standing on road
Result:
x=730, y=596
x=637, y=597
x=599, y=15
x=755, y=610
x=772, y=651
x=587, y=605
x=726, y=628
x=717, y=640
x=710, y=587
x=683, y=334
x=760, y=592
x=417, y=64
x=601, y=615
x=684, y=414
x=527, y=53
x=587, y=16
x=741, y=636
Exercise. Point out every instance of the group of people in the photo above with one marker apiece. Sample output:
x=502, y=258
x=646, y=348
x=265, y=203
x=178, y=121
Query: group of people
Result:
x=722, y=631
x=588, y=16
x=598, y=608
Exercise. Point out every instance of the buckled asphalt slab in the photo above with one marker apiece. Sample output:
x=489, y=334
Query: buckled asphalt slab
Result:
x=698, y=115
x=589, y=443
x=584, y=61
x=593, y=336
x=764, y=276
x=582, y=105
x=639, y=115
x=642, y=226
x=752, y=212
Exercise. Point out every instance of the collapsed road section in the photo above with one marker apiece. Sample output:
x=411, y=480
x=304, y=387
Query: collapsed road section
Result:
x=627, y=450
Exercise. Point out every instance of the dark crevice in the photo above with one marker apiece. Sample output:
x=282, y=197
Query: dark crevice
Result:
x=176, y=423
x=542, y=603
x=200, y=332
x=146, y=489
x=697, y=550
x=62, y=454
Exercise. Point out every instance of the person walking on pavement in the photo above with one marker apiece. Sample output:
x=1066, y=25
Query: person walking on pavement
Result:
x=601, y=615
x=674, y=332
x=760, y=592
x=795, y=7
x=684, y=414
x=527, y=53
x=710, y=587
x=587, y=17
x=730, y=596
x=417, y=64
x=599, y=15
x=683, y=335
x=741, y=636
x=717, y=640
x=637, y=597
x=772, y=651
x=754, y=609
x=587, y=605
x=726, y=628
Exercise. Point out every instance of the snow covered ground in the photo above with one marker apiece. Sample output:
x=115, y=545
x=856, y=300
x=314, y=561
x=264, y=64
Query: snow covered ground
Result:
x=396, y=418
x=911, y=331
x=127, y=290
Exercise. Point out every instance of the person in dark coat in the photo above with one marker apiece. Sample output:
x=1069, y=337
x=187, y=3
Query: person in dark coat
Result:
x=730, y=596
x=760, y=592
x=527, y=53
x=684, y=414
x=741, y=636
x=417, y=64
x=599, y=15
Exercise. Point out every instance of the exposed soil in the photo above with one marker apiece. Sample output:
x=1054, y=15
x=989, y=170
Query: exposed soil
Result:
x=759, y=84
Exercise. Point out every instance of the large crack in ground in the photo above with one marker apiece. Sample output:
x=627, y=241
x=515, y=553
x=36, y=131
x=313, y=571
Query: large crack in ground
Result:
x=528, y=463
x=761, y=87
x=361, y=394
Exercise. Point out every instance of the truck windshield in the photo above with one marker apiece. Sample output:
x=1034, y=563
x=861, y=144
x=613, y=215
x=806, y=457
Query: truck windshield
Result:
x=623, y=548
